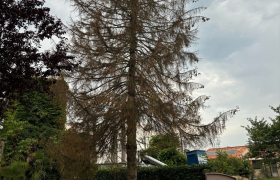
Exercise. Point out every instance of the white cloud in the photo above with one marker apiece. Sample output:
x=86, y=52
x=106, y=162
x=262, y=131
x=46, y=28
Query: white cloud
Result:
x=241, y=16
x=240, y=66
x=62, y=9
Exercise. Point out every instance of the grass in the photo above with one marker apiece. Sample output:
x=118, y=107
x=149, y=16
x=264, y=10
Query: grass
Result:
x=270, y=179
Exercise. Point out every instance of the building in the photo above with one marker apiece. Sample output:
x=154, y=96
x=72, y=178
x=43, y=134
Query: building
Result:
x=241, y=151
x=271, y=169
x=236, y=151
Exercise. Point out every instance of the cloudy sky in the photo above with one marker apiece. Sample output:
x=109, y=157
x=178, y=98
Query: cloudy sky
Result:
x=239, y=49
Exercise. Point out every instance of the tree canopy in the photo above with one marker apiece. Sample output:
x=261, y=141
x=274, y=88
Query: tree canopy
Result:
x=166, y=149
x=134, y=72
x=38, y=116
x=24, y=24
x=230, y=165
x=264, y=138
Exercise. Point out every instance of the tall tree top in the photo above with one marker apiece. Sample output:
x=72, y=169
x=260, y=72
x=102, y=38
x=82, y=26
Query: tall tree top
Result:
x=134, y=73
x=142, y=44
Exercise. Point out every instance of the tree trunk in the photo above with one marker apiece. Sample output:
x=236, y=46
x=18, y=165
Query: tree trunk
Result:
x=131, y=145
x=114, y=150
x=131, y=149
x=123, y=142
x=94, y=153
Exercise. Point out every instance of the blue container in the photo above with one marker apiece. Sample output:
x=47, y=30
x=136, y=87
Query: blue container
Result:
x=196, y=157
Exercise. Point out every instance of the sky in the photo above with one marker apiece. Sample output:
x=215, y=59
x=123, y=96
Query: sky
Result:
x=239, y=48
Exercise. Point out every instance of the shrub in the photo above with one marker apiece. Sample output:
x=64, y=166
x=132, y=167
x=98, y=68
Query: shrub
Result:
x=230, y=165
x=15, y=171
x=172, y=156
x=165, y=148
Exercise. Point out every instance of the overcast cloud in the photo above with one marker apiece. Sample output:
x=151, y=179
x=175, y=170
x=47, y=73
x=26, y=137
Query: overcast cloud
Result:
x=239, y=51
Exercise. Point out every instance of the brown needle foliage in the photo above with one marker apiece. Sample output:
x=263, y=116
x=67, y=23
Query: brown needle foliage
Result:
x=73, y=153
x=134, y=72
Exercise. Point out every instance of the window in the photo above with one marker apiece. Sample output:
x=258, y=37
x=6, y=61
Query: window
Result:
x=211, y=153
x=256, y=164
x=231, y=151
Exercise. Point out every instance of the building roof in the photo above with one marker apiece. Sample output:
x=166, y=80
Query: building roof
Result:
x=236, y=151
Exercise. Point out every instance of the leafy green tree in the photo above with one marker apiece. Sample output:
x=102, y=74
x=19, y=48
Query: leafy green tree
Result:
x=230, y=165
x=264, y=139
x=16, y=171
x=20, y=160
x=37, y=116
x=24, y=24
x=166, y=149
x=158, y=143
x=172, y=157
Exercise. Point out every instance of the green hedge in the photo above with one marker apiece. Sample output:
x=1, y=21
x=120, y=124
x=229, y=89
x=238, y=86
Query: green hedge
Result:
x=189, y=172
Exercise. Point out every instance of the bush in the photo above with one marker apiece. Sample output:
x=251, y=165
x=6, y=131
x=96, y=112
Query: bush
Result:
x=172, y=157
x=15, y=171
x=230, y=165
x=165, y=148
x=189, y=172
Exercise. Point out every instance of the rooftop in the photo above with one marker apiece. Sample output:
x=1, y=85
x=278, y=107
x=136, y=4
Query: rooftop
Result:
x=236, y=151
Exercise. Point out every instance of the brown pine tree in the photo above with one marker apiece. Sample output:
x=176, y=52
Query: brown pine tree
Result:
x=134, y=71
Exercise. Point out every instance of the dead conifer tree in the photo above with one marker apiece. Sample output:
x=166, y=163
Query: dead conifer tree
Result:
x=134, y=70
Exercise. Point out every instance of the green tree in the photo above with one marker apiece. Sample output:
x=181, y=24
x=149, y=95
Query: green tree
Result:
x=158, y=143
x=166, y=149
x=264, y=139
x=24, y=24
x=134, y=71
x=38, y=116
x=230, y=165
x=172, y=157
